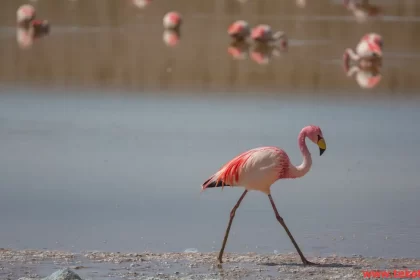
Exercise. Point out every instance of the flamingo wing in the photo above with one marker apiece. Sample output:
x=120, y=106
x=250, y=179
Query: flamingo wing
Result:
x=247, y=166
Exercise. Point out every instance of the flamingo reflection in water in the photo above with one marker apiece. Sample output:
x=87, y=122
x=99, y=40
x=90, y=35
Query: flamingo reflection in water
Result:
x=171, y=38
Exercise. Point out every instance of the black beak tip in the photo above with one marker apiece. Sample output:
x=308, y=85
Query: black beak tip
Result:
x=321, y=151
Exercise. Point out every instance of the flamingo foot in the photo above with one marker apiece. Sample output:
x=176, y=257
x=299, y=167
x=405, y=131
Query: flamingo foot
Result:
x=306, y=262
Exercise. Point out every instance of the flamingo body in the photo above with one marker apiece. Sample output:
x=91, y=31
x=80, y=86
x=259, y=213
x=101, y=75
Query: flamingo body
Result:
x=239, y=30
x=25, y=14
x=141, y=3
x=259, y=168
x=172, y=20
x=256, y=169
x=263, y=33
x=362, y=11
x=369, y=50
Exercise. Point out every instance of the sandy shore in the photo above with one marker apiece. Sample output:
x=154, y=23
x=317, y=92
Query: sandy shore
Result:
x=15, y=264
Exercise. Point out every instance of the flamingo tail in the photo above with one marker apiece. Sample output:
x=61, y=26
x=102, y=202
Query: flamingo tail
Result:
x=211, y=183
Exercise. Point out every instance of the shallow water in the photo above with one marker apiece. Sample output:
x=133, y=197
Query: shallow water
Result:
x=106, y=133
x=100, y=172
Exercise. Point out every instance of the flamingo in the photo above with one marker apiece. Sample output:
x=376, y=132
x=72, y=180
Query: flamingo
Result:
x=24, y=15
x=141, y=4
x=172, y=20
x=361, y=11
x=36, y=29
x=368, y=48
x=301, y=3
x=239, y=30
x=259, y=168
x=262, y=33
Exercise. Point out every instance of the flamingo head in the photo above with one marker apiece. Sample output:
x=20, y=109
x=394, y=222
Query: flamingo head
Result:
x=314, y=133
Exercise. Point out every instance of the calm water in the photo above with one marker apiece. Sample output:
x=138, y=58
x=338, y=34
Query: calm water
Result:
x=100, y=172
x=83, y=169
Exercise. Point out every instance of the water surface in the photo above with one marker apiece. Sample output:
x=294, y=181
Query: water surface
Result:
x=86, y=171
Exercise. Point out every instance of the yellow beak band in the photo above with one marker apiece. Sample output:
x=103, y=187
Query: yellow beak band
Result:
x=321, y=144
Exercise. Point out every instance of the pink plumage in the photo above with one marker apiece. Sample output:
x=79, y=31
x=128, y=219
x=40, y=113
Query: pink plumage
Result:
x=259, y=168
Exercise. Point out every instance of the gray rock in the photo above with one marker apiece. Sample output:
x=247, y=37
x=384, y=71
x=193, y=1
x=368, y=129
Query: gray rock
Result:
x=63, y=274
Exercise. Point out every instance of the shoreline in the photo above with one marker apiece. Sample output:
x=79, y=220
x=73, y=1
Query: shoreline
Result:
x=36, y=264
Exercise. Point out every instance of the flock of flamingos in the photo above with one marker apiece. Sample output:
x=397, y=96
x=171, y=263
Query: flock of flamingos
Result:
x=257, y=169
x=260, y=43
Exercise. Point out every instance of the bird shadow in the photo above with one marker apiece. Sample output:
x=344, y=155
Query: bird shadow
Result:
x=330, y=265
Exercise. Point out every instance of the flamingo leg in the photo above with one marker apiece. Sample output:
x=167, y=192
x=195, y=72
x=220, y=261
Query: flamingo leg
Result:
x=232, y=215
x=281, y=221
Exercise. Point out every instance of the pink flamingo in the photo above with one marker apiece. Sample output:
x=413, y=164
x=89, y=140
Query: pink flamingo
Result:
x=259, y=168
x=141, y=3
x=239, y=30
x=172, y=20
x=362, y=11
x=369, y=48
x=36, y=29
x=24, y=15
x=262, y=33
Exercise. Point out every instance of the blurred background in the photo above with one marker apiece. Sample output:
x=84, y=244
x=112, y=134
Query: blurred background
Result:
x=108, y=43
x=107, y=131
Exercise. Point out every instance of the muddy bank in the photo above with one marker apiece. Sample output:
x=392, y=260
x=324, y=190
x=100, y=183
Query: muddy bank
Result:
x=35, y=264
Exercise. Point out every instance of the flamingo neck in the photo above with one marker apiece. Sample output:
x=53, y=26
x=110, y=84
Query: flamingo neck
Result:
x=302, y=169
x=352, y=54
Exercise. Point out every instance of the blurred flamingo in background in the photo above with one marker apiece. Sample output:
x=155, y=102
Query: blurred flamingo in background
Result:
x=368, y=50
x=262, y=33
x=301, y=3
x=239, y=30
x=362, y=11
x=141, y=4
x=259, y=168
x=24, y=15
x=172, y=20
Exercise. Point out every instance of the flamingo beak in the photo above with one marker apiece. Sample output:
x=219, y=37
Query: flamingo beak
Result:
x=321, y=144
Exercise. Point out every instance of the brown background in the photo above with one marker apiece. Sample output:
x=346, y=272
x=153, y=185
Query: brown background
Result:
x=111, y=43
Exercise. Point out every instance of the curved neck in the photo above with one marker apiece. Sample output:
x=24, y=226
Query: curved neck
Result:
x=352, y=54
x=301, y=170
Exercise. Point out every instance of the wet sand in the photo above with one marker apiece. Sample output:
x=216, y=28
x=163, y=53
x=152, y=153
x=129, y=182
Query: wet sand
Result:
x=143, y=265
